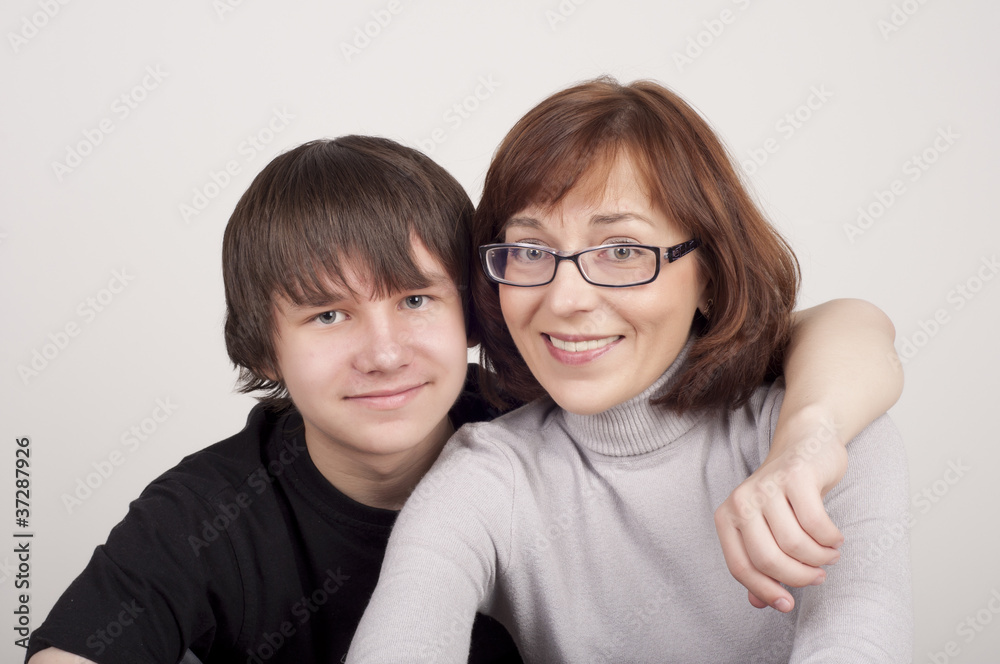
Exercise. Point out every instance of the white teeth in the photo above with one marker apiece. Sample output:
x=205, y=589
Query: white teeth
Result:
x=579, y=346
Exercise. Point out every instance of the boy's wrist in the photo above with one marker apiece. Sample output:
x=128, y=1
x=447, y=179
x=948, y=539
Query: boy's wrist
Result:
x=809, y=438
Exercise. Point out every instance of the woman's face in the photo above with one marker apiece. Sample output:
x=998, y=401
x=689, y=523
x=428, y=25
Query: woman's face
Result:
x=593, y=347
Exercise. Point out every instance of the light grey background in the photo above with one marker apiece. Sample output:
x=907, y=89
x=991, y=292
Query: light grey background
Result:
x=886, y=82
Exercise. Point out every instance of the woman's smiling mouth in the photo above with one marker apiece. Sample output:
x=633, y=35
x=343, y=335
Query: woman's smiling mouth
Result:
x=579, y=351
x=579, y=346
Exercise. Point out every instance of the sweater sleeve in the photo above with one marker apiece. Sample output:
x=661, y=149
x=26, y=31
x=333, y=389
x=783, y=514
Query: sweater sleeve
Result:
x=863, y=611
x=442, y=560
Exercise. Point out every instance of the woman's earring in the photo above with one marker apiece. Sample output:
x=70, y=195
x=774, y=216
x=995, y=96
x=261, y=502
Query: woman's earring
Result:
x=707, y=313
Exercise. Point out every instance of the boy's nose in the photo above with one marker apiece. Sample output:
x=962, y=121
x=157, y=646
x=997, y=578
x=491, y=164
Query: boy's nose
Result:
x=386, y=346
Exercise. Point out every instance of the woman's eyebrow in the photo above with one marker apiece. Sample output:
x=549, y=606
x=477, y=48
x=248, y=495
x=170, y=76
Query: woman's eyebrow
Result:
x=601, y=219
x=521, y=222
x=598, y=219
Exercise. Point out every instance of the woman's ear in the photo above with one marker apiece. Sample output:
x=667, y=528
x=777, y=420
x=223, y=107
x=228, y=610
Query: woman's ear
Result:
x=706, y=308
x=706, y=301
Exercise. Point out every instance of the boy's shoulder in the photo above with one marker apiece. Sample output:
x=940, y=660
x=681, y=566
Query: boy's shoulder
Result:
x=233, y=462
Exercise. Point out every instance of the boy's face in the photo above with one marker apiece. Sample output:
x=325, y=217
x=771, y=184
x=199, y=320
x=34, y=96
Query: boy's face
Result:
x=375, y=377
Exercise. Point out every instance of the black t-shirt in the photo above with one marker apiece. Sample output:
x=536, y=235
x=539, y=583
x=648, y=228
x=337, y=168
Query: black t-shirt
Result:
x=243, y=553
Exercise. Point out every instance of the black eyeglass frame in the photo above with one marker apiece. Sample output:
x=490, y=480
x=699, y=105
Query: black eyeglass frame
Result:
x=669, y=253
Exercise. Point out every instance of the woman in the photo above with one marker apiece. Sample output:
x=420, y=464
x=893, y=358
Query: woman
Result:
x=634, y=291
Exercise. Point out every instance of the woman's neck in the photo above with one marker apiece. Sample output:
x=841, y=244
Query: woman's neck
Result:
x=634, y=426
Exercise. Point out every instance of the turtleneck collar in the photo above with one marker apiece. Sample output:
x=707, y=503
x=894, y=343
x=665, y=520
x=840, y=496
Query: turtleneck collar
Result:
x=634, y=426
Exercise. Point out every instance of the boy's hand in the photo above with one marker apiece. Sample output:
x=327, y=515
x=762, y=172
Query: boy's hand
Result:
x=774, y=528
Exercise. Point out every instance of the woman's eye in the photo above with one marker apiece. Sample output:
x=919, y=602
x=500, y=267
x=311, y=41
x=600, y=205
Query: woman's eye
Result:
x=415, y=301
x=622, y=253
x=330, y=317
x=528, y=255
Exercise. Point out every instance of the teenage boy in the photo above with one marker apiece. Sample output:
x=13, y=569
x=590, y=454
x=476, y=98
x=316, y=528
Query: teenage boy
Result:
x=345, y=266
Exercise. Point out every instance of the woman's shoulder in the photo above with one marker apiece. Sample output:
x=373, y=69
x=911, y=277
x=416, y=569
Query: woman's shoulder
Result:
x=510, y=429
x=478, y=467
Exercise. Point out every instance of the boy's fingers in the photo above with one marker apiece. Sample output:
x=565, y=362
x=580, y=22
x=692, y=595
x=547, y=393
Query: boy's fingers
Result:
x=812, y=517
x=794, y=541
x=760, y=587
x=766, y=557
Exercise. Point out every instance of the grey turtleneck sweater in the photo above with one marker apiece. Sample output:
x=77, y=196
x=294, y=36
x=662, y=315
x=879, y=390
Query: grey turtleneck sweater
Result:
x=592, y=539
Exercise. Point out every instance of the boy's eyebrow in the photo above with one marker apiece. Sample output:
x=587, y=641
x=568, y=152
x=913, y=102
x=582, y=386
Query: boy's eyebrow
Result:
x=331, y=298
x=435, y=279
x=314, y=300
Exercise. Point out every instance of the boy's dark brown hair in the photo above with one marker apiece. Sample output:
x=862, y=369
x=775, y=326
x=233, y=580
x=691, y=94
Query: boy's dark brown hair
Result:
x=751, y=272
x=351, y=202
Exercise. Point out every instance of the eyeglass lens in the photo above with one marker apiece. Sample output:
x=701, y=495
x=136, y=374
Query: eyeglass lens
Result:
x=608, y=266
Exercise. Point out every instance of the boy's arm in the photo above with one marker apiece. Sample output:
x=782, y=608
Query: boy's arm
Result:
x=56, y=656
x=841, y=372
x=151, y=591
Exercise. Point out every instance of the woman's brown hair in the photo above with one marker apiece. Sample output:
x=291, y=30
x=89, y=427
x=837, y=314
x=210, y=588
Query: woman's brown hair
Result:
x=751, y=272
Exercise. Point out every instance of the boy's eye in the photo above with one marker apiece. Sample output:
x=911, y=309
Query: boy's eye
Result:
x=415, y=301
x=330, y=317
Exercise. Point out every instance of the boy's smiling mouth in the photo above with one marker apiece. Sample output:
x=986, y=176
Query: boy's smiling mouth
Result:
x=388, y=398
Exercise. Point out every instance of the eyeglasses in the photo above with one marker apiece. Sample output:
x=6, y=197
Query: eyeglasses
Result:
x=610, y=265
